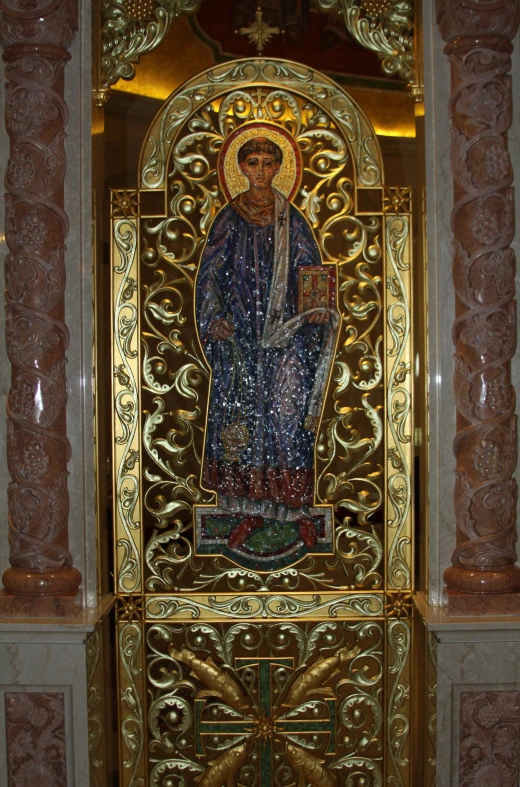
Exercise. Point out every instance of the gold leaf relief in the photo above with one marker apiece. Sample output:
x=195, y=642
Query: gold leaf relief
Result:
x=293, y=677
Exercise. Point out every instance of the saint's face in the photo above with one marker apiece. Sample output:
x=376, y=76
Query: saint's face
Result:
x=260, y=169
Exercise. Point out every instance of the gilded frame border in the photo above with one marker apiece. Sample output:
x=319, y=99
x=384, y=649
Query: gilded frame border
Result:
x=391, y=602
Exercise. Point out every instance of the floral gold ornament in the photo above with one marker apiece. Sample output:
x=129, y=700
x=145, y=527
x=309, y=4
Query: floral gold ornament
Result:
x=399, y=604
x=219, y=684
x=130, y=608
x=125, y=355
x=386, y=28
x=126, y=36
x=131, y=706
x=315, y=681
x=301, y=737
x=125, y=203
x=397, y=200
x=399, y=403
x=266, y=606
x=399, y=636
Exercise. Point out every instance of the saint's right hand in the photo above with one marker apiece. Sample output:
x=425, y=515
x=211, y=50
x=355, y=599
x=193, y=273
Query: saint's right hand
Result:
x=319, y=318
x=221, y=330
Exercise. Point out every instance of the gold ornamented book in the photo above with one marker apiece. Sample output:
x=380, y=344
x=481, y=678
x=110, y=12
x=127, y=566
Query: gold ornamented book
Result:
x=316, y=287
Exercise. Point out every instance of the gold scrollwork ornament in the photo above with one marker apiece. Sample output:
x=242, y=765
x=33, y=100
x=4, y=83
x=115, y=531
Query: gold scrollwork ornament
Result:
x=125, y=36
x=386, y=28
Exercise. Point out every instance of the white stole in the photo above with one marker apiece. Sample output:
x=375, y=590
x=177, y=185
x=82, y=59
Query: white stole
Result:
x=278, y=333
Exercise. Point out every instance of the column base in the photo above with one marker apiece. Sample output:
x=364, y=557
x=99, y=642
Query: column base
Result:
x=56, y=583
x=472, y=579
x=63, y=670
x=476, y=604
x=13, y=605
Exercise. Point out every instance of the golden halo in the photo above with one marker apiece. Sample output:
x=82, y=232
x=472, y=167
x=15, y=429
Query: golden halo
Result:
x=234, y=182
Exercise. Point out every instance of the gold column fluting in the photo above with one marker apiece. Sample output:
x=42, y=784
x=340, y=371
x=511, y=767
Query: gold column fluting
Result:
x=35, y=36
x=478, y=35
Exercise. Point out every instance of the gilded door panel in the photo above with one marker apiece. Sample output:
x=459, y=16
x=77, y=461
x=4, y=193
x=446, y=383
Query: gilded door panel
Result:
x=272, y=704
x=266, y=703
x=278, y=654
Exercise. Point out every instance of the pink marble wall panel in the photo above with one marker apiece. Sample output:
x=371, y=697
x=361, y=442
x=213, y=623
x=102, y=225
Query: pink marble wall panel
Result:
x=35, y=731
x=489, y=739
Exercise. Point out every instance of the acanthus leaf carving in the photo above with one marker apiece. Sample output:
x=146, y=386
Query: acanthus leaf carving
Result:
x=477, y=17
x=489, y=738
x=125, y=38
x=388, y=31
x=35, y=736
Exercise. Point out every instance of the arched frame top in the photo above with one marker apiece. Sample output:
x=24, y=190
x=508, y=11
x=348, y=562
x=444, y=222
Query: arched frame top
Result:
x=270, y=75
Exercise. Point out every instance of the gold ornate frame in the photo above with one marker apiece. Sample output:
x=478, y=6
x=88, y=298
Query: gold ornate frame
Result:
x=364, y=449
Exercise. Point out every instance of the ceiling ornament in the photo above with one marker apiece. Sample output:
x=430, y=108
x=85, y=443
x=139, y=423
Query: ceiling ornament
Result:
x=386, y=27
x=131, y=28
x=259, y=31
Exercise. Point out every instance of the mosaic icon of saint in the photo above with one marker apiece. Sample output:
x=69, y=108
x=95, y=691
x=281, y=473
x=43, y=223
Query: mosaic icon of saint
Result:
x=270, y=360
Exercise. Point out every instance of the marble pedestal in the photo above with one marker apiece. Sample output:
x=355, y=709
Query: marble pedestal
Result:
x=482, y=604
x=55, y=700
x=478, y=697
x=13, y=606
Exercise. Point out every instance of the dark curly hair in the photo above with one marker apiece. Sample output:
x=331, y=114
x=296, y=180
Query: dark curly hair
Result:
x=260, y=145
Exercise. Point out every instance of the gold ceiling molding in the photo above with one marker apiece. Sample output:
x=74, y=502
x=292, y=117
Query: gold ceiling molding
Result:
x=131, y=28
x=387, y=28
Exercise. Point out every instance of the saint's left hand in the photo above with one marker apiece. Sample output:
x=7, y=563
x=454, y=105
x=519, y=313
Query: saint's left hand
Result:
x=319, y=318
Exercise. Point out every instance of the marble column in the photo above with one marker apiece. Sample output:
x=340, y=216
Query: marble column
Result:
x=35, y=36
x=483, y=576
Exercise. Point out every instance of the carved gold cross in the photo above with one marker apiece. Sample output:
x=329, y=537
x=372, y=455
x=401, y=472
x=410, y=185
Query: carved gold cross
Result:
x=259, y=31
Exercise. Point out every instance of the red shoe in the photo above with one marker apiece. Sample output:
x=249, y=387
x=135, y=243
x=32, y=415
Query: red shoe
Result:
x=307, y=532
x=243, y=530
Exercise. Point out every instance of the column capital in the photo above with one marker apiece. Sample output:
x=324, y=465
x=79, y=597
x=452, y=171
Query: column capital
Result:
x=477, y=17
x=38, y=22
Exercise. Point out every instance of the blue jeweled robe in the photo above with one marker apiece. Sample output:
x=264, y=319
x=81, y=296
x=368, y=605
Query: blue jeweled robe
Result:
x=271, y=373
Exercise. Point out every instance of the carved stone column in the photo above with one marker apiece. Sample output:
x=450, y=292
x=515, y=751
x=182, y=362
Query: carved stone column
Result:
x=479, y=34
x=35, y=36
